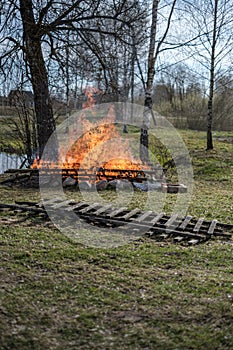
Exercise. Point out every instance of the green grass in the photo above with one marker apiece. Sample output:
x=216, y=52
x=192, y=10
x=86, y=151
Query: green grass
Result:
x=57, y=294
x=9, y=140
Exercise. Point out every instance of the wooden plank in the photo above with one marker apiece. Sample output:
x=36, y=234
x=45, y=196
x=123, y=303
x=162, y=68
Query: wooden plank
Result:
x=30, y=204
x=89, y=208
x=222, y=225
x=130, y=214
x=115, y=212
x=194, y=241
x=76, y=206
x=22, y=208
x=198, y=225
x=174, y=232
x=48, y=201
x=178, y=239
x=171, y=220
x=157, y=218
x=102, y=210
x=164, y=235
x=143, y=216
x=212, y=227
x=185, y=222
x=62, y=204
x=21, y=171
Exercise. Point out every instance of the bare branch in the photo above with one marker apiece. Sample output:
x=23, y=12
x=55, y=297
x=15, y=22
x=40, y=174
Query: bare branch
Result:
x=166, y=30
x=44, y=11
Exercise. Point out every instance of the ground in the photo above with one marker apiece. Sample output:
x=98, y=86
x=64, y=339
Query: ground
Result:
x=58, y=294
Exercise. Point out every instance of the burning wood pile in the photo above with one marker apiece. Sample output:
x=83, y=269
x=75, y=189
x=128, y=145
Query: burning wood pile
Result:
x=97, y=155
x=94, y=156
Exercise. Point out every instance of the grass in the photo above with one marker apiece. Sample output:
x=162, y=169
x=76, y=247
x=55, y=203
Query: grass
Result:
x=58, y=294
x=9, y=138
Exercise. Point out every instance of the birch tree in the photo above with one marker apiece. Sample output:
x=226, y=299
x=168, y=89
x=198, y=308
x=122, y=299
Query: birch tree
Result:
x=153, y=53
x=212, y=20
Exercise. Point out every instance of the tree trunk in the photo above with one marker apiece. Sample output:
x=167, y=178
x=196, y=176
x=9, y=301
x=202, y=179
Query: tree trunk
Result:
x=67, y=85
x=209, y=125
x=39, y=78
x=144, y=138
x=212, y=77
x=28, y=135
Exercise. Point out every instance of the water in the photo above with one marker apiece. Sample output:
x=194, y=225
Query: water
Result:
x=10, y=161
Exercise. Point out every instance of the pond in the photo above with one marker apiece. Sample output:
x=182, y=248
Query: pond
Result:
x=10, y=161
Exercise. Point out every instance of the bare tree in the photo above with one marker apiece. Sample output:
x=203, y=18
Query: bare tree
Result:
x=212, y=21
x=35, y=28
x=114, y=55
x=154, y=50
x=213, y=43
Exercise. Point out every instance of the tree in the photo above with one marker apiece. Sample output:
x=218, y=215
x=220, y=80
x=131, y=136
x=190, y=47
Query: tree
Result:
x=153, y=54
x=212, y=21
x=113, y=65
x=212, y=73
x=34, y=29
x=32, y=33
x=223, y=103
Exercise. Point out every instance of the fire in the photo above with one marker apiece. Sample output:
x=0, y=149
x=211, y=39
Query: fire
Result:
x=121, y=163
x=92, y=146
x=89, y=91
x=100, y=145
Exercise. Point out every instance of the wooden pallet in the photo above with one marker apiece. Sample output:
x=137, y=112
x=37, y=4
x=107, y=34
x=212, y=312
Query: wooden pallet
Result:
x=155, y=225
x=79, y=174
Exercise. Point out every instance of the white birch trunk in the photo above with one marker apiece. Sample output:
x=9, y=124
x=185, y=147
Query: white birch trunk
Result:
x=144, y=155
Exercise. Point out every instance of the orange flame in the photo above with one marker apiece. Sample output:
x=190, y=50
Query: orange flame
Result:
x=98, y=146
x=90, y=91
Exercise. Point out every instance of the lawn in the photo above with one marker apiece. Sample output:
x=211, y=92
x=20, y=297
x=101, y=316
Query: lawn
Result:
x=58, y=294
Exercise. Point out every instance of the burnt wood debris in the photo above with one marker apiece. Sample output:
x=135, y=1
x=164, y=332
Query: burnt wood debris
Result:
x=144, y=180
x=158, y=226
